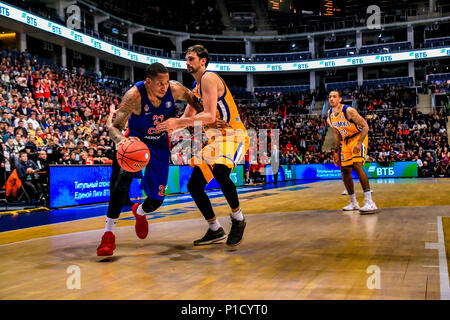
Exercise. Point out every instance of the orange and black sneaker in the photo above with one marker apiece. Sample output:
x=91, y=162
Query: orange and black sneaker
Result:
x=108, y=244
x=141, y=226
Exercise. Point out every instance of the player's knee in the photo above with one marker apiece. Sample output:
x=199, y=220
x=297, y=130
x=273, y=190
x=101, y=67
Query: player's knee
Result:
x=151, y=205
x=221, y=173
x=123, y=182
x=347, y=170
x=191, y=186
x=197, y=182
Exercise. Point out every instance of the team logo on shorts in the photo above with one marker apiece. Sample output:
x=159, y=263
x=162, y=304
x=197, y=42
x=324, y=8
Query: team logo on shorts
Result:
x=146, y=108
x=342, y=117
x=168, y=104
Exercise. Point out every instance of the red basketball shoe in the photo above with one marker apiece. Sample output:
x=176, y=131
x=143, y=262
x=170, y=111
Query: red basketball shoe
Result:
x=141, y=226
x=108, y=244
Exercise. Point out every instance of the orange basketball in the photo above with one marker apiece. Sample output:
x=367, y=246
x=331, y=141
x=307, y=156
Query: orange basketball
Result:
x=133, y=156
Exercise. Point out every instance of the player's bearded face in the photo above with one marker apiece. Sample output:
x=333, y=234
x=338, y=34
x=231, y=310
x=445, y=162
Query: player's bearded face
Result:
x=192, y=62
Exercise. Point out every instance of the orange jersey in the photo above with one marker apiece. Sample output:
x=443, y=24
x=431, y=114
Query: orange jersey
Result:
x=227, y=149
x=226, y=107
x=347, y=128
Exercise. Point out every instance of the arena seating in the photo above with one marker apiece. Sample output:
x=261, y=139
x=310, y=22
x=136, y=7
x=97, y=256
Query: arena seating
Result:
x=399, y=132
x=437, y=42
x=344, y=52
x=294, y=56
x=67, y=118
x=386, y=48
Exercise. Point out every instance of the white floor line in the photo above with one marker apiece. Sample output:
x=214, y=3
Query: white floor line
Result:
x=443, y=269
x=427, y=266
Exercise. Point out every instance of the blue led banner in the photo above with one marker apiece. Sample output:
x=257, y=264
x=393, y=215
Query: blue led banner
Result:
x=374, y=170
x=78, y=185
x=81, y=185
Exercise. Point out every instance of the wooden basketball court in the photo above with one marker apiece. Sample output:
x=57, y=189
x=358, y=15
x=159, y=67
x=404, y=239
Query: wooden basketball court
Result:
x=298, y=245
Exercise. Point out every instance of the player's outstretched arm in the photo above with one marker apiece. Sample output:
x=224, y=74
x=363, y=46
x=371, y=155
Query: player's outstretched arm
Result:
x=207, y=116
x=130, y=104
x=180, y=92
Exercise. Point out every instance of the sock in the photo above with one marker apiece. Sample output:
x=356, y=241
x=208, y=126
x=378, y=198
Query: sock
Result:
x=110, y=224
x=368, y=195
x=237, y=215
x=214, y=225
x=140, y=211
x=353, y=198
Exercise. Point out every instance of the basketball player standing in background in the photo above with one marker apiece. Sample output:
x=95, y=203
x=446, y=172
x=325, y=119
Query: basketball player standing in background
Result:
x=350, y=149
x=146, y=104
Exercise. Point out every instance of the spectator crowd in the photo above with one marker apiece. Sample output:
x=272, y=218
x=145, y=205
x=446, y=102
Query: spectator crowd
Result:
x=64, y=114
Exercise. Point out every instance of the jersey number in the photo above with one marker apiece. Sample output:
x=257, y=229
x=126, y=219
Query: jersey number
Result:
x=158, y=119
x=161, y=190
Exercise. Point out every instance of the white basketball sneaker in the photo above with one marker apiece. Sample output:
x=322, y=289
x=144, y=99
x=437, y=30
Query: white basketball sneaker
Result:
x=344, y=192
x=351, y=207
x=368, y=208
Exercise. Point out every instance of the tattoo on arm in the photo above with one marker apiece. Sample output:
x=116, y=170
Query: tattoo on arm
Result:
x=188, y=112
x=129, y=105
x=192, y=100
x=180, y=92
x=360, y=122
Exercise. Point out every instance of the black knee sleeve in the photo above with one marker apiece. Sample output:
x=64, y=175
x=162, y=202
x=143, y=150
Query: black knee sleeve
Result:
x=196, y=187
x=151, y=205
x=114, y=173
x=221, y=172
x=119, y=194
x=123, y=181
x=197, y=182
x=222, y=175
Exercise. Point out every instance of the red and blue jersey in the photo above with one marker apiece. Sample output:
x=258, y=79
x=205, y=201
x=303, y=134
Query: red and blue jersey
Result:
x=144, y=125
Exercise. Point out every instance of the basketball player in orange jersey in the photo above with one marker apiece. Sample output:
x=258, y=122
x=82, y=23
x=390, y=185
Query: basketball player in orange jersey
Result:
x=224, y=150
x=143, y=106
x=350, y=142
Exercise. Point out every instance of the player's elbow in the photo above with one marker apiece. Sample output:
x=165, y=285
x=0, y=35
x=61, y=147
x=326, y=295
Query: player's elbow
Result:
x=211, y=118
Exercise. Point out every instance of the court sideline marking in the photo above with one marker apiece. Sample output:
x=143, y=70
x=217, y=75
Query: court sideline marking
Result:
x=443, y=269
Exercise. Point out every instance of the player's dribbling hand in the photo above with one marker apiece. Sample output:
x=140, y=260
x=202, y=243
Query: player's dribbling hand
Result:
x=219, y=124
x=357, y=148
x=169, y=125
x=128, y=139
